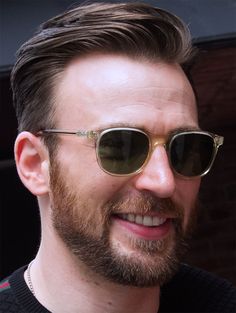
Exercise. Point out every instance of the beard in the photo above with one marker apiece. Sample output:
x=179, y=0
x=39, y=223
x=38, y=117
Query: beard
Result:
x=85, y=230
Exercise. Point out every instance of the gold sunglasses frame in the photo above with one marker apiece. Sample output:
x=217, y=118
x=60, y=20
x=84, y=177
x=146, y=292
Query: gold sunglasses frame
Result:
x=154, y=141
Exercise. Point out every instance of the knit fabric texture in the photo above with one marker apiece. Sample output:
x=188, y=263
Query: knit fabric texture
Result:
x=191, y=290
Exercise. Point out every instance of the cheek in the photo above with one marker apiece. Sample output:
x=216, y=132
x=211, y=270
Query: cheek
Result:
x=91, y=188
x=82, y=171
x=186, y=196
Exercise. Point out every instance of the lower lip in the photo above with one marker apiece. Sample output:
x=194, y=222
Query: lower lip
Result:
x=145, y=232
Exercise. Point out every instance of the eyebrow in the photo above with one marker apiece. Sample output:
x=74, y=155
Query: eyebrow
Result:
x=118, y=124
x=184, y=129
x=135, y=125
x=181, y=129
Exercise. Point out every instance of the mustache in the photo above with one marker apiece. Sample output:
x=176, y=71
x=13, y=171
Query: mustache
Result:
x=142, y=203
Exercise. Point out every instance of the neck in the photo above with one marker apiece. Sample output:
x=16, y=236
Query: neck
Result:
x=63, y=284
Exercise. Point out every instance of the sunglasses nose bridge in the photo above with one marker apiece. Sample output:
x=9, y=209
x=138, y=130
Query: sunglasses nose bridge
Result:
x=159, y=141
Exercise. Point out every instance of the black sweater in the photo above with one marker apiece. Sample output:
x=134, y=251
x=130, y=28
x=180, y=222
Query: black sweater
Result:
x=190, y=290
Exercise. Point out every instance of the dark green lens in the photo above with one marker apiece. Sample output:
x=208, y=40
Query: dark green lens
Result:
x=191, y=154
x=123, y=151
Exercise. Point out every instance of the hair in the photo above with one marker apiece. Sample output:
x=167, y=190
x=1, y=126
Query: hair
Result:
x=136, y=30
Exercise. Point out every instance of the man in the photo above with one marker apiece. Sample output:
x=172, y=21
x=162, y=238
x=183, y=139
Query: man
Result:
x=110, y=145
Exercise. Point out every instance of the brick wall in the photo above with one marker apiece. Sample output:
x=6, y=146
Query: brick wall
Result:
x=214, y=243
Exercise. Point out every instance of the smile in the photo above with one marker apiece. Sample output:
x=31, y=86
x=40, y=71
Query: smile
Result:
x=143, y=219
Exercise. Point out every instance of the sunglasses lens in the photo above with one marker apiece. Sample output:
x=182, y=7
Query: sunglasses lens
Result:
x=191, y=154
x=123, y=151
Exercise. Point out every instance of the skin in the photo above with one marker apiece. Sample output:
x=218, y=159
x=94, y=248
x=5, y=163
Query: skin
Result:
x=101, y=91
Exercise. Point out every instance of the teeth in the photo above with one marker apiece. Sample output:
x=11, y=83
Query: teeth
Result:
x=147, y=221
x=143, y=220
x=130, y=217
x=139, y=219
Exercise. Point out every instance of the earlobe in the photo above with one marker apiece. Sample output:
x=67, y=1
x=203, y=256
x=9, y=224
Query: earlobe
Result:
x=31, y=158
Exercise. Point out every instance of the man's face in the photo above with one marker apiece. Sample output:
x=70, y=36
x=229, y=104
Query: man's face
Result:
x=127, y=229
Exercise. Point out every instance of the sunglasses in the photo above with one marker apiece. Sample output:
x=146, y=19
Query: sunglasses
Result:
x=124, y=151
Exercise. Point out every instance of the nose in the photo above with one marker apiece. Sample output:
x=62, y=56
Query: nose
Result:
x=157, y=176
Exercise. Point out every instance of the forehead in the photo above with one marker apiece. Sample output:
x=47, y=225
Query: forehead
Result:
x=102, y=90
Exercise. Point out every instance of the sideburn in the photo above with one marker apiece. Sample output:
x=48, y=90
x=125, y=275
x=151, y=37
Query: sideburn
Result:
x=69, y=214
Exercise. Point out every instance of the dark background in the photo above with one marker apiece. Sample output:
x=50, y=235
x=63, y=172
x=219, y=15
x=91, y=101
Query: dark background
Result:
x=212, y=24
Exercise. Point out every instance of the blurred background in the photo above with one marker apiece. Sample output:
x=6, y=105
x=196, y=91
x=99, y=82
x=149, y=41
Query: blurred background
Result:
x=213, y=27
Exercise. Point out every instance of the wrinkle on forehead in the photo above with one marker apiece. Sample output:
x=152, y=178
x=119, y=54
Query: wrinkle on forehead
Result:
x=165, y=94
x=155, y=99
x=109, y=89
x=148, y=95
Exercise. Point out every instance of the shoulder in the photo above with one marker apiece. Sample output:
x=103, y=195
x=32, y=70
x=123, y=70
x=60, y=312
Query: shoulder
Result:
x=195, y=290
x=15, y=296
x=8, y=301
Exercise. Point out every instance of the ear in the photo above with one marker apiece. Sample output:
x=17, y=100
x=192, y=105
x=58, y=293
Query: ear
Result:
x=32, y=163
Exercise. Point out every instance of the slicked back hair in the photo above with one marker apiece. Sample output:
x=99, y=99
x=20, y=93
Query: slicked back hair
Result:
x=136, y=30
